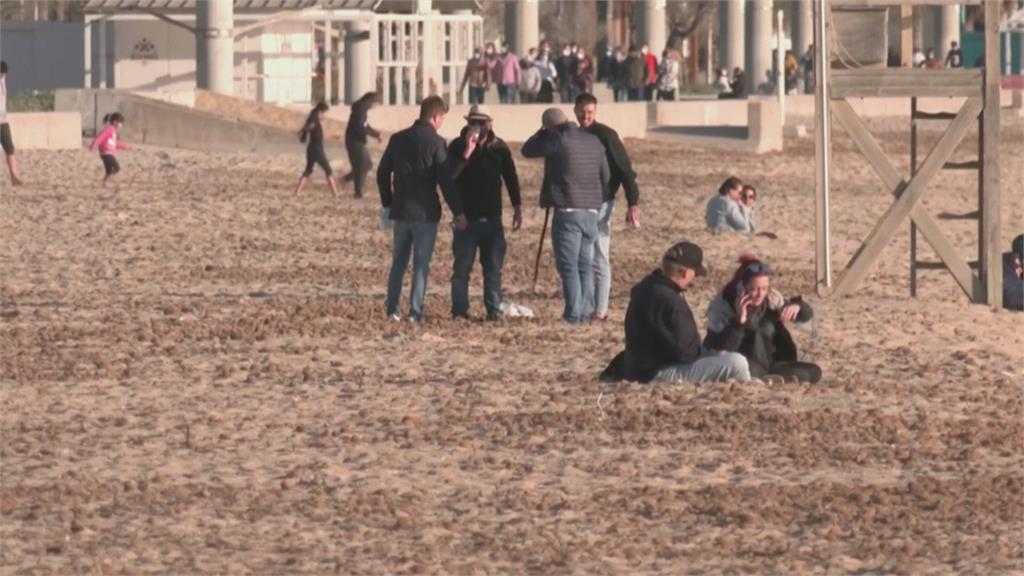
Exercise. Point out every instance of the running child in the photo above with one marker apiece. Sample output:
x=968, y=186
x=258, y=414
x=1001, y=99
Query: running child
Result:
x=109, y=144
x=313, y=134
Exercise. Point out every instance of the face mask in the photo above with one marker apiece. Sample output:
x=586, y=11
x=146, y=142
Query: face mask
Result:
x=566, y=52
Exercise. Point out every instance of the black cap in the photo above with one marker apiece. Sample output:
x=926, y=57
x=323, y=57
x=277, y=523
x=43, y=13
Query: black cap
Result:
x=689, y=255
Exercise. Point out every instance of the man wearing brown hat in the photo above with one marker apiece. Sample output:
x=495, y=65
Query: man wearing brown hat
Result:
x=576, y=176
x=479, y=162
x=662, y=340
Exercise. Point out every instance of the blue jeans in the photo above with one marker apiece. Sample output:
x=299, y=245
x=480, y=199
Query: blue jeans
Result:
x=476, y=94
x=602, y=258
x=414, y=239
x=489, y=237
x=507, y=93
x=572, y=236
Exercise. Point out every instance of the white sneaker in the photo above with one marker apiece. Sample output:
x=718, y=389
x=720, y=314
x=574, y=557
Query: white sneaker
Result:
x=395, y=318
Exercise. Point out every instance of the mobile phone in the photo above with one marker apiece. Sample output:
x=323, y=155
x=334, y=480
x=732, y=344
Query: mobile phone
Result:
x=474, y=130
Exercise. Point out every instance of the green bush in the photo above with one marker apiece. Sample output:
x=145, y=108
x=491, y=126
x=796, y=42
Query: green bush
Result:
x=31, y=102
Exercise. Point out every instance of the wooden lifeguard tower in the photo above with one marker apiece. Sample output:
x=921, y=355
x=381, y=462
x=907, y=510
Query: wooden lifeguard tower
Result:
x=980, y=88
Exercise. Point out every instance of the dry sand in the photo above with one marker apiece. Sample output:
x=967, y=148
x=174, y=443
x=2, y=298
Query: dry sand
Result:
x=198, y=378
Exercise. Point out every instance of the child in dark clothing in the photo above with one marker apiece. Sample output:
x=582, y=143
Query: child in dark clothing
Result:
x=313, y=134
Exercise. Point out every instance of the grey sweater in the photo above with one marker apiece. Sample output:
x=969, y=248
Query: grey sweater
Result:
x=724, y=214
x=576, y=172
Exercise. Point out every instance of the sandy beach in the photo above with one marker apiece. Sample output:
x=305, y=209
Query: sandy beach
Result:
x=198, y=378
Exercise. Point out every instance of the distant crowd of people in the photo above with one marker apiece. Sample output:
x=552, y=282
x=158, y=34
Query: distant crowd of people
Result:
x=540, y=76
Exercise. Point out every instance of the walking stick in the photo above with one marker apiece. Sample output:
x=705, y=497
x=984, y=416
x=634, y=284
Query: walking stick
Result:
x=540, y=247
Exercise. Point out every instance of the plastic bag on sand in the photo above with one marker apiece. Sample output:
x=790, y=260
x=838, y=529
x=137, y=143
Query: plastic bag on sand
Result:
x=510, y=310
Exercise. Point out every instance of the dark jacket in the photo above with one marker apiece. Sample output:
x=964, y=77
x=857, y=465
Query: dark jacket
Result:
x=358, y=130
x=764, y=339
x=564, y=67
x=660, y=331
x=576, y=170
x=418, y=159
x=618, y=163
x=478, y=180
x=636, y=72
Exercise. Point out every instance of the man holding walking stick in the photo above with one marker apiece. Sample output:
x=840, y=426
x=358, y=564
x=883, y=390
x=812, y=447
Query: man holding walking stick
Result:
x=576, y=176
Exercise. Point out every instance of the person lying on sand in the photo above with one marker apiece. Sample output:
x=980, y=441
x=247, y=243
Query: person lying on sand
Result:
x=662, y=341
x=750, y=317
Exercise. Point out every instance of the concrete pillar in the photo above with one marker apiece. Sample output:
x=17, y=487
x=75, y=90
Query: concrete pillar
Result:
x=949, y=29
x=87, y=54
x=654, y=26
x=919, y=26
x=215, y=46
x=522, y=25
x=328, y=62
x=759, y=45
x=802, y=25
x=731, y=36
x=358, y=58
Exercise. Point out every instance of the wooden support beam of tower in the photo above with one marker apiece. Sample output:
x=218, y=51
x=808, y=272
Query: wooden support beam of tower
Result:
x=878, y=160
x=884, y=230
x=991, y=267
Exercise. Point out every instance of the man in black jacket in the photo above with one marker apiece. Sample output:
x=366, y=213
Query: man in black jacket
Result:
x=417, y=158
x=356, y=135
x=662, y=341
x=480, y=161
x=575, y=184
x=621, y=175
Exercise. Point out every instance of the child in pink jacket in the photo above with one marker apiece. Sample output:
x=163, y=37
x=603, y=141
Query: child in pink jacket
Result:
x=109, y=144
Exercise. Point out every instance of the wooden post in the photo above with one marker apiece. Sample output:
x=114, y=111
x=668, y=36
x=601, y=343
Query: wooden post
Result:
x=906, y=36
x=991, y=265
x=822, y=263
x=913, y=171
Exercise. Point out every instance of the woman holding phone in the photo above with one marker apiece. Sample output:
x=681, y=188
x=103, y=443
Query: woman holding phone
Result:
x=750, y=317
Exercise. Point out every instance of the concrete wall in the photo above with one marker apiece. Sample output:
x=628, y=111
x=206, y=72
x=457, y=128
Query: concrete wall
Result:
x=800, y=109
x=158, y=123
x=513, y=123
x=46, y=130
x=700, y=113
x=42, y=55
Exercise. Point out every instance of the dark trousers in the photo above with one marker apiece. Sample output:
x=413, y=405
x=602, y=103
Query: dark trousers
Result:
x=316, y=155
x=476, y=94
x=800, y=371
x=359, y=159
x=489, y=237
x=667, y=95
x=635, y=94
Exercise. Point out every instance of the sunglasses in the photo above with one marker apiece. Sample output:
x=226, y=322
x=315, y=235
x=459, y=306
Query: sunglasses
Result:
x=758, y=268
x=478, y=122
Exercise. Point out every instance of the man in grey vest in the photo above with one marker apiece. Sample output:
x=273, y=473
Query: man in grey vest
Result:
x=576, y=176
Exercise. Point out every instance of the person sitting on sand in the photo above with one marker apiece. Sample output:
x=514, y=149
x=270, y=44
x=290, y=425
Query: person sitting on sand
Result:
x=662, y=341
x=1013, y=275
x=724, y=212
x=750, y=317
